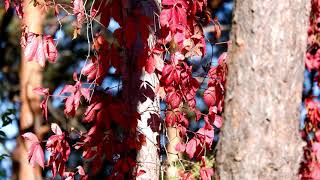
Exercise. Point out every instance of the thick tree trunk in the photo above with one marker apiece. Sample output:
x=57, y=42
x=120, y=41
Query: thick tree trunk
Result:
x=30, y=78
x=260, y=137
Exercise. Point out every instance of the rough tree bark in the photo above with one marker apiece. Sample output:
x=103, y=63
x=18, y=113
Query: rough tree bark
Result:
x=30, y=114
x=260, y=137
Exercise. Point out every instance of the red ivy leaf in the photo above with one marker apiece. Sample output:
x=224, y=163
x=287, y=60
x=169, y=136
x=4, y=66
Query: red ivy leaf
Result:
x=59, y=149
x=6, y=4
x=50, y=49
x=209, y=96
x=34, y=49
x=180, y=147
x=173, y=99
x=44, y=104
x=35, y=153
x=218, y=121
x=78, y=10
x=206, y=135
x=206, y=173
x=140, y=172
x=187, y=176
x=56, y=129
x=154, y=61
x=72, y=102
x=192, y=147
x=81, y=170
x=169, y=75
x=38, y=48
x=173, y=14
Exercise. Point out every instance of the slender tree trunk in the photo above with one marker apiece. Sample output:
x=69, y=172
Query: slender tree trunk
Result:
x=149, y=107
x=173, y=155
x=148, y=157
x=260, y=137
x=30, y=78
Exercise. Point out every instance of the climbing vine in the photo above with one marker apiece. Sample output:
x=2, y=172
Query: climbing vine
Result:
x=310, y=166
x=164, y=45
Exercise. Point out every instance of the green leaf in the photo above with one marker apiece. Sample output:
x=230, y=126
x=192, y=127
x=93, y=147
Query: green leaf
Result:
x=2, y=135
x=2, y=156
x=6, y=119
x=3, y=173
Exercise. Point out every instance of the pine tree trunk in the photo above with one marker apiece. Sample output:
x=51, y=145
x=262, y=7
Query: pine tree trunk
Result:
x=260, y=137
x=30, y=78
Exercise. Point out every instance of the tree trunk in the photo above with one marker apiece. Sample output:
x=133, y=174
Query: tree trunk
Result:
x=148, y=156
x=172, y=154
x=30, y=78
x=260, y=137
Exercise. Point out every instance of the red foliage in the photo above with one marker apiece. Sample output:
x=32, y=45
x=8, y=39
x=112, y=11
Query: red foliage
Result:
x=44, y=104
x=35, y=153
x=310, y=168
x=111, y=119
x=59, y=148
x=38, y=48
x=72, y=102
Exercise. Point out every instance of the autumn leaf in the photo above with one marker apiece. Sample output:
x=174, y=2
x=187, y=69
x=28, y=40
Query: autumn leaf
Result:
x=192, y=147
x=35, y=153
x=39, y=48
x=209, y=96
x=174, y=13
x=44, y=103
x=206, y=173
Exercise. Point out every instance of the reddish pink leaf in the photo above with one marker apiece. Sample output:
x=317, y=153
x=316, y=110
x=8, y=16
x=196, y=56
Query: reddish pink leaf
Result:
x=6, y=4
x=31, y=43
x=69, y=175
x=38, y=48
x=317, y=135
x=187, y=176
x=154, y=61
x=59, y=149
x=180, y=147
x=44, y=104
x=192, y=147
x=41, y=91
x=218, y=121
x=140, y=172
x=209, y=96
x=207, y=135
x=150, y=65
x=174, y=99
x=206, y=173
x=222, y=58
x=50, y=49
x=81, y=170
x=169, y=75
x=72, y=102
x=30, y=138
x=67, y=89
x=79, y=11
x=56, y=129
x=35, y=153
x=173, y=14
x=85, y=93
